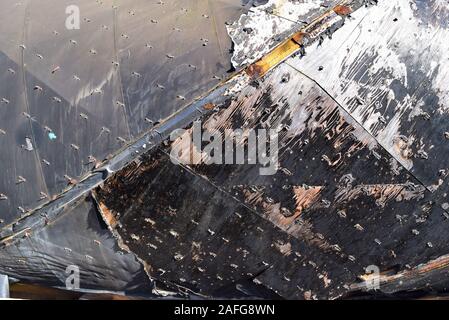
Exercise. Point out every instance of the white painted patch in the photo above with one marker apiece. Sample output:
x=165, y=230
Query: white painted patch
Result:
x=260, y=30
x=390, y=48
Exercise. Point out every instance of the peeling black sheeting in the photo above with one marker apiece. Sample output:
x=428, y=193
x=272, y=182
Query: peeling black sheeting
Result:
x=96, y=103
x=78, y=237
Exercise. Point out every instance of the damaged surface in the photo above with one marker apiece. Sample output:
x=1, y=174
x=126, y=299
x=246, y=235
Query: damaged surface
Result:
x=71, y=98
x=261, y=29
x=387, y=67
x=314, y=211
x=78, y=238
x=356, y=95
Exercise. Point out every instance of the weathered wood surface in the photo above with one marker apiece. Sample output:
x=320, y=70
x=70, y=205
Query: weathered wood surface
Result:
x=349, y=205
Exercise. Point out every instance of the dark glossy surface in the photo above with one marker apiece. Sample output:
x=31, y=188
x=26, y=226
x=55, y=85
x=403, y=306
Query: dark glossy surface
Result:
x=78, y=96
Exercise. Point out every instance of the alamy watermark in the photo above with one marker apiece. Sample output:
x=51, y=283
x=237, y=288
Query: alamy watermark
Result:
x=72, y=281
x=73, y=20
x=232, y=147
x=372, y=281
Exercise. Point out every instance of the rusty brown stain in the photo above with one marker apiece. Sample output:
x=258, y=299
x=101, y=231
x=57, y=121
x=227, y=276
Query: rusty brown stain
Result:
x=107, y=215
x=343, y=10
x=305, y=198
x=273, y=58
x=298, y=37
x=278, y=54
x=209, y=106
x=255, y=70
x=272, y=212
